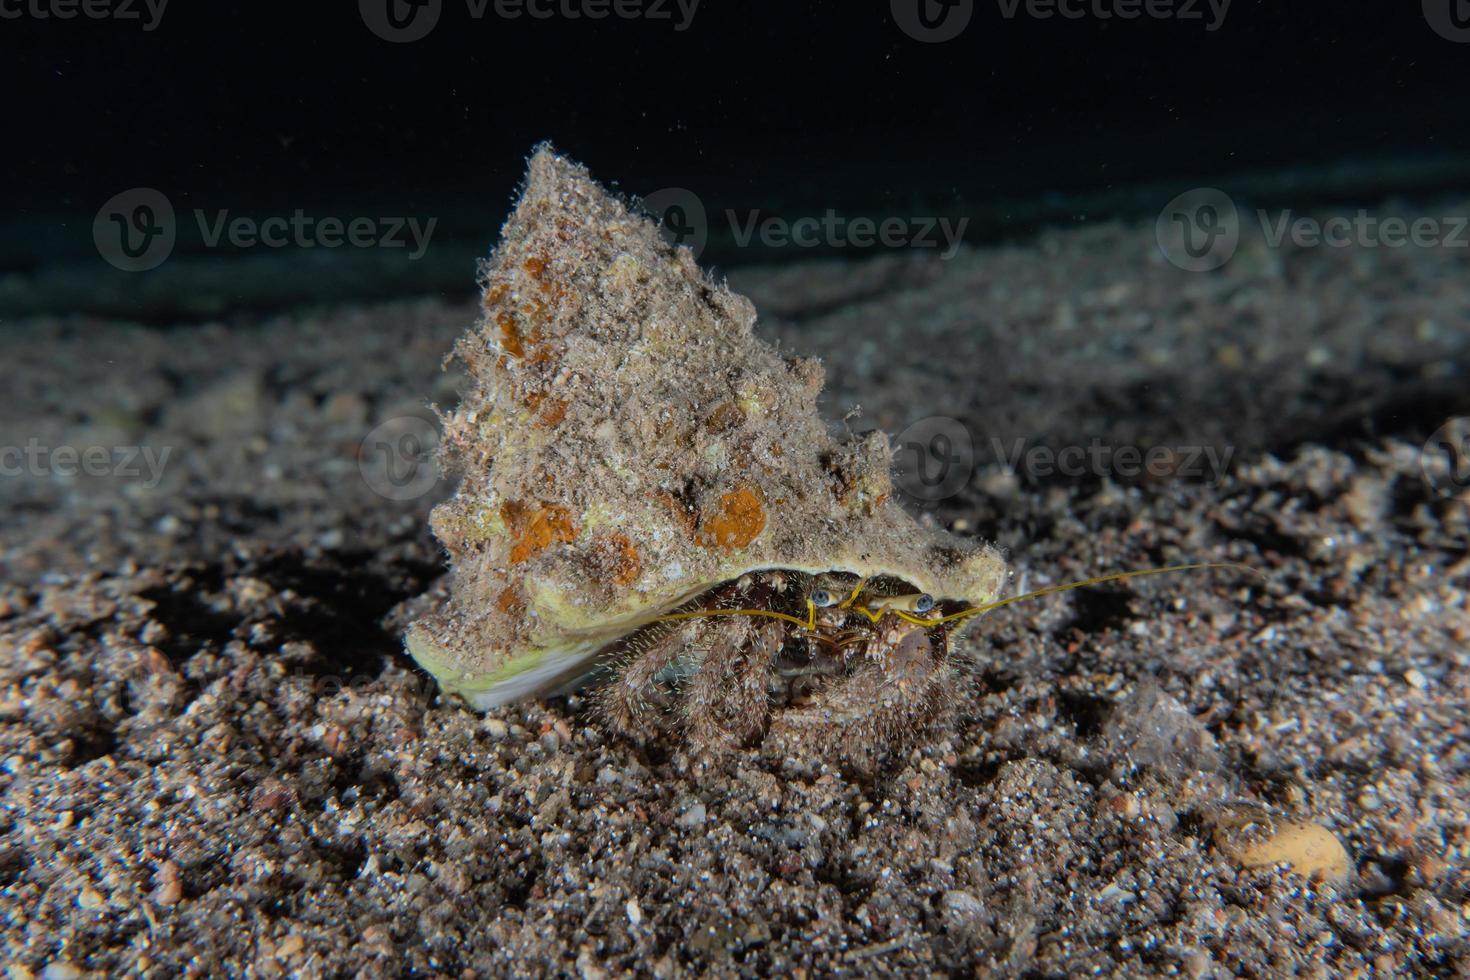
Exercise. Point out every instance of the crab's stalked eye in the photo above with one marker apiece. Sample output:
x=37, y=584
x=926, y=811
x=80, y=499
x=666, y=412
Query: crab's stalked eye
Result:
x=923, y=603
x=821, y=598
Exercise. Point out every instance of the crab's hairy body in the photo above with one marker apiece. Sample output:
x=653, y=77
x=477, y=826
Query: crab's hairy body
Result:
x=850, y=679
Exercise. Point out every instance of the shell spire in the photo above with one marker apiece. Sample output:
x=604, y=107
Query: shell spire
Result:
x=627, y=442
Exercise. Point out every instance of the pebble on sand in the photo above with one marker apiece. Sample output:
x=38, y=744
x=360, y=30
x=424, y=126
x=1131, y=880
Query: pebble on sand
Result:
x=1257, y=840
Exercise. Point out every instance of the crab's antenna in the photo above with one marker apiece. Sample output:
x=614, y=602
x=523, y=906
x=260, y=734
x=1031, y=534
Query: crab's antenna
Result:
x=807, y=624
x=1054, y=589
x=707, y=613
x=856, y=591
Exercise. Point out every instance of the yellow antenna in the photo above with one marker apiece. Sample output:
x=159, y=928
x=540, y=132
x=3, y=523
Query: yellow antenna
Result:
x=807, y=623
x=1054, y=589
x=875, y=613
x=856, y=591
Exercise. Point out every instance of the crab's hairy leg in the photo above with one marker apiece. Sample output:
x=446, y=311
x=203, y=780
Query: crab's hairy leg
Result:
x=726, y=702
x=629, y=702
x=753, y=681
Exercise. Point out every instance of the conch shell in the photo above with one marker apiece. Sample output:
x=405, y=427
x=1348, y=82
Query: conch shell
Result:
x=627, y=444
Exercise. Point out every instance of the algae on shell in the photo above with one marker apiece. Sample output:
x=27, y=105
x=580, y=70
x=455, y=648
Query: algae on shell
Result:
x=627, y=442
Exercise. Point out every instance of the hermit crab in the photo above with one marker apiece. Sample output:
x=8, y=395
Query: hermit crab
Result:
x=649, y=502
x=846, y=662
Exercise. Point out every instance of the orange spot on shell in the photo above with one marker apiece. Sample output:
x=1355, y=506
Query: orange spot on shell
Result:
x=532, y=531
x=554, y=411
x=726, y=415
x=510, y=335
x=510, y=601
x=535, y=266
x=621, y=558
x=735, y=523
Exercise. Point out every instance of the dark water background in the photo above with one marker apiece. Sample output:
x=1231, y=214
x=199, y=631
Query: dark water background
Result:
x=1018, y=122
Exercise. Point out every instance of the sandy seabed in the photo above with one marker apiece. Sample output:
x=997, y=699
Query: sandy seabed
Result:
x=217, y=759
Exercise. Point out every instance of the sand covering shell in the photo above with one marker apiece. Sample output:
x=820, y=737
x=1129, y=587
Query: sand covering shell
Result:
x=628, y=443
